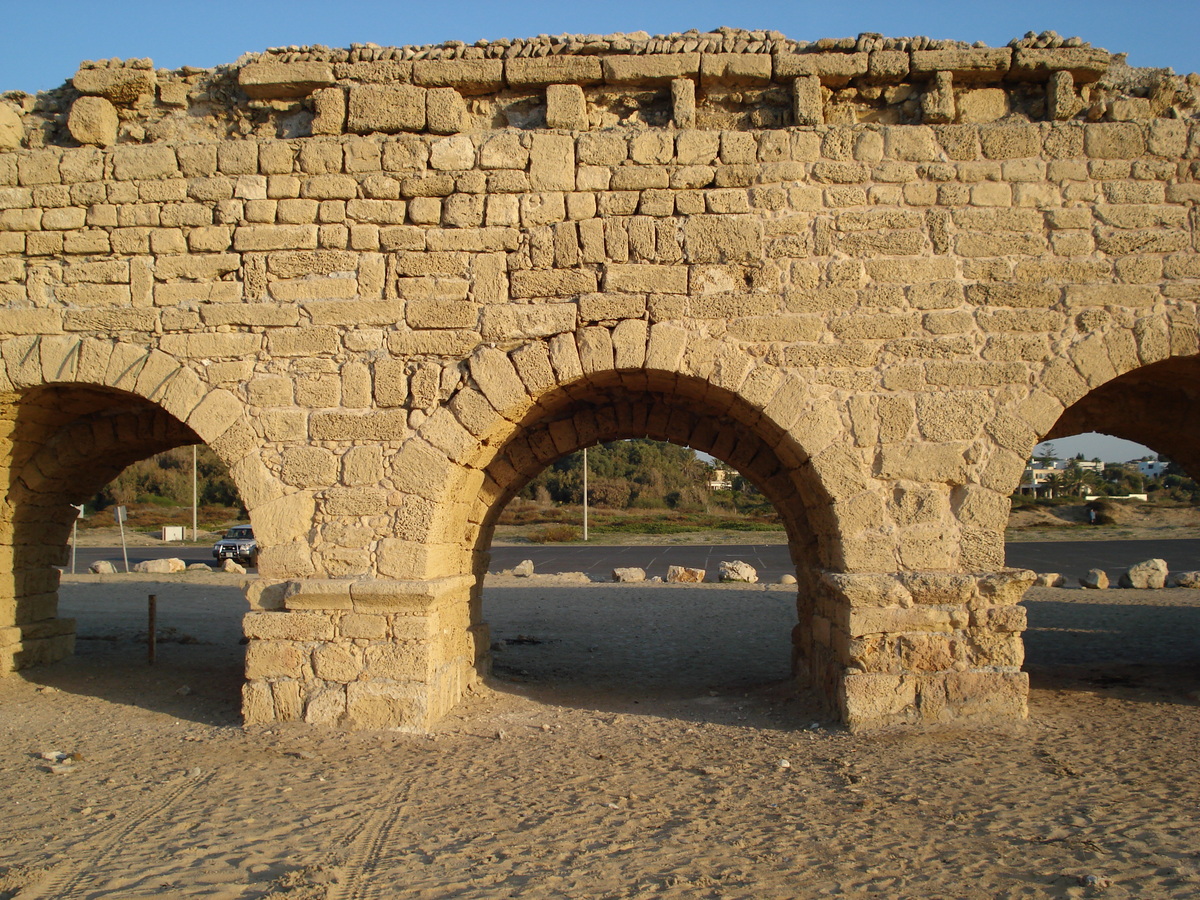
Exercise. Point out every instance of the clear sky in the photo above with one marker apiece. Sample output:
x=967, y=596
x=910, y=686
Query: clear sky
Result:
x=41, y=43
x=1104, y=446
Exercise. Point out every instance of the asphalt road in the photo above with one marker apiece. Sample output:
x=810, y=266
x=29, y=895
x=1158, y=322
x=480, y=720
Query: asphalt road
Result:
x=1072, y=558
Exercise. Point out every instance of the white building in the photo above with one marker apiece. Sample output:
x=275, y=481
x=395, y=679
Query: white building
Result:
x=1152, y=468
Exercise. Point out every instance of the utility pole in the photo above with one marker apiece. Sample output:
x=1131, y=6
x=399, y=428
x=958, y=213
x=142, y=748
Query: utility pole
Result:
x=75, y=533
x=193, y=492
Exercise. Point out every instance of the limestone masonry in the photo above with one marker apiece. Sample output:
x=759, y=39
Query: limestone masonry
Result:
x=388, y=286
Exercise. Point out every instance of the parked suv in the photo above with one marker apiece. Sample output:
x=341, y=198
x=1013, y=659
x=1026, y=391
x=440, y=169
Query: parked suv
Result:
x=239, y=545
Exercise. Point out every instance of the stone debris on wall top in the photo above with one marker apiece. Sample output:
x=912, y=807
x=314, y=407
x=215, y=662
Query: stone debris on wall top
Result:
x=723, y=79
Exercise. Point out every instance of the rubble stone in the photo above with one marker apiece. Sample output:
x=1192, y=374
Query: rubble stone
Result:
x=628, y=574
x=1150, y=573
x=684, y=575
x=738, y=571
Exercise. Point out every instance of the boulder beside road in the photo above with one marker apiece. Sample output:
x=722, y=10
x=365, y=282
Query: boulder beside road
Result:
x=684, y=575
x=169, y=566
x=628, y=574
x=738, y=571
x=1149, y=573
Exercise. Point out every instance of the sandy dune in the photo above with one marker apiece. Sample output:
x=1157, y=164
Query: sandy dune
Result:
x=634, y=746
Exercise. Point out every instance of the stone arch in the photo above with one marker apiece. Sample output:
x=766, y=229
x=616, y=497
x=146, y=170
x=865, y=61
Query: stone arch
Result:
x=76, y=412
x=523, y=409
x=1133, y=381
x=1153, y=405
x=533, y=391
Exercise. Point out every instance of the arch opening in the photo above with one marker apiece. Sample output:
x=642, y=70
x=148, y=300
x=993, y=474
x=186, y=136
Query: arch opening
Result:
x=616, y=406
x=62, y=443
x=1085, y=522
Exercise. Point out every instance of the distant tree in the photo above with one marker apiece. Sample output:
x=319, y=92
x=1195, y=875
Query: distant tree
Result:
x=166, y=478
x=622, y=474
x=1047, y=456
x=1053, y=485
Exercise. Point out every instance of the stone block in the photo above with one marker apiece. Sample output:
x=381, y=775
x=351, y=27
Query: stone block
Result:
x=275, y=659
x=329, y=108
x=1105, y=140
x=808, y=105
x=552, y=282
x=12, y=130
x=118, y=84
x=683, y=103
x=1084, y=64
x=288, y=626
x=468, y=76
x=388, y=109
x=735, y=69
x=93, y=120
x=552, y=163
x=831, y=68
x=634, y=278
x=270, y=80
x=566, y=107
x=445, y=111
x=542, y=71
x=972, y=64
x=719, y=238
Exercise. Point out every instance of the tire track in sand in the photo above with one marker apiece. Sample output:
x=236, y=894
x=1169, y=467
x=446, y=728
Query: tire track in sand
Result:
x=70, y=877
x=369, y=842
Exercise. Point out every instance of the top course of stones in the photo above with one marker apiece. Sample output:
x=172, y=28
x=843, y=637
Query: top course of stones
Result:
x=724, y=79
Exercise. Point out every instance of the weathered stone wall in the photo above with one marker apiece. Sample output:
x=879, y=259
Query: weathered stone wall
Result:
x=389, y=286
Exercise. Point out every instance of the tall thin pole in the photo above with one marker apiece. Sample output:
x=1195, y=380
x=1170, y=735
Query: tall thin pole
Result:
x=585, y=536
x=193, y=492
x=151, y=627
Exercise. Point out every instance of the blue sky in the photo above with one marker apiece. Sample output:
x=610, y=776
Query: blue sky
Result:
x=41, y=43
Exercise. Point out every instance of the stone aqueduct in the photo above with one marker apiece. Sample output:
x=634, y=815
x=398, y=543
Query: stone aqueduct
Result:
x=388, y=286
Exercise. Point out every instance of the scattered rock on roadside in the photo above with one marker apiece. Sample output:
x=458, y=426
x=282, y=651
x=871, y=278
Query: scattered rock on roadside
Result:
x=1186, y=580
x=1095, y=579
x=684, y=575
x=1149, y=573
x=738, y=571
x=169, y=566
x=102, y=567
x=230, y=566
x=199, y=567
x=787, y=579
x=1049, y=579
x=523, y=569
x=628, y=574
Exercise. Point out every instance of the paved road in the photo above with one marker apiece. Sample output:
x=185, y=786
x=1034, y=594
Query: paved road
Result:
x=1072, y=558
x=85, y=556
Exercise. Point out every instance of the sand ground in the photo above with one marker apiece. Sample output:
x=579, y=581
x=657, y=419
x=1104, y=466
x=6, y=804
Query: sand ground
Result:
x=637, y=742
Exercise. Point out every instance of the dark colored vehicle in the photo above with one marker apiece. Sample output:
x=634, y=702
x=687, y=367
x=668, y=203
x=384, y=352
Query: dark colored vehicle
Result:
x=239, y=545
